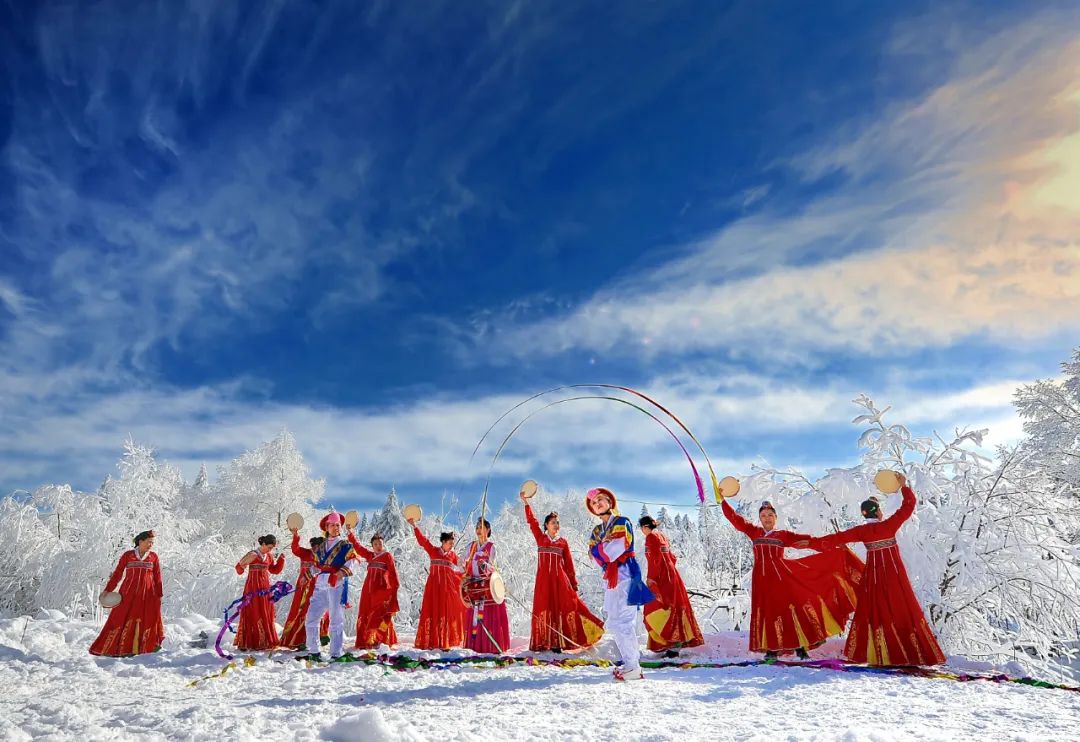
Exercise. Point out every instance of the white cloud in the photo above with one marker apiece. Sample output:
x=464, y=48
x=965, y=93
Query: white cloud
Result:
x=952, y=223
x=14, y=300
x=427, y=443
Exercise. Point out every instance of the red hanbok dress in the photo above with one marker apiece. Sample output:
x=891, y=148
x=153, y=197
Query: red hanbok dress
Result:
x=889, y=627
x=796, y=602
x=442, y=612
x=560, y=620
x=134, y=626
x=487, y=627
x=294, y=635
x=669, y=619
x=257, y=629
x=378, y=599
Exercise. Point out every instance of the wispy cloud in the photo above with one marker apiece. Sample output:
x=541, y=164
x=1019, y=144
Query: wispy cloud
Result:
x=952, y=221
x=197, y=186
x=172, y=179
x=425, y=445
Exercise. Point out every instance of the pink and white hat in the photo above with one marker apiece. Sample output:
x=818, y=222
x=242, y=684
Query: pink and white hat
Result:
x=593, y=496
x=332, y=517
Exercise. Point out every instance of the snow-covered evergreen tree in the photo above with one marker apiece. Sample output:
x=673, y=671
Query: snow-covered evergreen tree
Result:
x=664, y=518
x=988, y=549
x=390, y=521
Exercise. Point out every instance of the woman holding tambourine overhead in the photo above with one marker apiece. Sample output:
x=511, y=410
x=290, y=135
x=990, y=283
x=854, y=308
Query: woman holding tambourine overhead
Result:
x=442, y=614
x=889, y=626
x=294, y=634
x=560, y=620
x=134, y=625
x=795, y=604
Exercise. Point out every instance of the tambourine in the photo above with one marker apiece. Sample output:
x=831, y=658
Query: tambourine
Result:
x=887, y=480
x=528, y=488
x=295, y=521
x=497, y=588
x=109, y=600
x=412, y=512
x=729, y=487
x=352, y=519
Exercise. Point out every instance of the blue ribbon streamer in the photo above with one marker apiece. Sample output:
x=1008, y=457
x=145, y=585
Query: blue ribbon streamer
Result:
x=277, y=591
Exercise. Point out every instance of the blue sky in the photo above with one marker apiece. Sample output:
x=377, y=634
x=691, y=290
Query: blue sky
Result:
x=380, y=225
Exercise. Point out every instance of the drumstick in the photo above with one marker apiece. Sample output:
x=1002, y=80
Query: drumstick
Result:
x=501, y=650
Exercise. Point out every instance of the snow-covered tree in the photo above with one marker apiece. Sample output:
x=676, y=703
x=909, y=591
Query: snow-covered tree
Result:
x=1051, y=412
x=663, y=517
x=257, y=491
x=29, y=548
x=390, y=521
x=986, y=549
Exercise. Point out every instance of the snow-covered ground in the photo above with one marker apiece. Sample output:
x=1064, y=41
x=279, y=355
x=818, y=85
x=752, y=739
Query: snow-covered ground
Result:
x=51, y=688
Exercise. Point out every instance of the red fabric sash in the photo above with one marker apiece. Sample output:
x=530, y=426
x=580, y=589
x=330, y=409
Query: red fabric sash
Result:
x=611, y=571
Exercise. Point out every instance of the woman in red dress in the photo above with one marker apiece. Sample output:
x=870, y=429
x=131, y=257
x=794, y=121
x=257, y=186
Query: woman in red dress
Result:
x=487, y=627
x=442, y=612
x=293, y=635
x=889, y=627
x=560, y=620
x=795, y=604
x=378, y=598
x=257, y=629
x=134, y=626
x=669, y=619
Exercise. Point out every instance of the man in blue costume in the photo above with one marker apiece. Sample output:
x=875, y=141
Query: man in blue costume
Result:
x=334, y=562
x=612, y=547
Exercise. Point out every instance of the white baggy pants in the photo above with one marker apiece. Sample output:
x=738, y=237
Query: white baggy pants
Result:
x=621, y=621
x=325, y=598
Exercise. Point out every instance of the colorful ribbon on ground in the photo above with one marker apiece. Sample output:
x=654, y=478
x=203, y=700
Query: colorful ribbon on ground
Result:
x=248, y=662
x=403, y=663
x=277, y=591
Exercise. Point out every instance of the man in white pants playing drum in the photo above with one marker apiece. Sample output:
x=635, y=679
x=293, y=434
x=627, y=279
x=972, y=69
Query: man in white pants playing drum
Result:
x=612, y=547
x=334, y=562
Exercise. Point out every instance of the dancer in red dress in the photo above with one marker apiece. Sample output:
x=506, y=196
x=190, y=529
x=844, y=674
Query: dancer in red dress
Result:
x=487, y=626
x=378, y=598
x=294, y=634
x=560, y=620
x=889, y=627
x=795, y=604
x=134, y=626
x=257, y=629
x=442, y=612
x=669, y=619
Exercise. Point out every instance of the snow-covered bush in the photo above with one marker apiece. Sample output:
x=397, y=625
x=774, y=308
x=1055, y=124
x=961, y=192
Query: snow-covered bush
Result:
x=987, y=549
x=991, y=549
